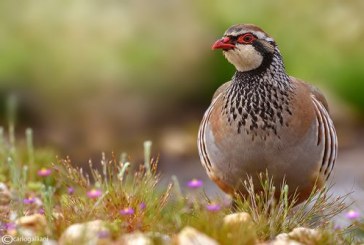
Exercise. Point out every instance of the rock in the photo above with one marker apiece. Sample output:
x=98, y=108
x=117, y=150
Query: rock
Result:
x=305, y=235
x=238, y=219
x=136, y=238
x=285, y=242
x=50, y=242
x=34, y=221
x=139, y=238
x=282, y=236
x=191, y=236
x=298, y=236
x=92, y=232
x=236, y=224
x=32, y=224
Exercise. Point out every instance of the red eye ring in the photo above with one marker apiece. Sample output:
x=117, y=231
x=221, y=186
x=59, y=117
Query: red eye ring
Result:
x=246, y=38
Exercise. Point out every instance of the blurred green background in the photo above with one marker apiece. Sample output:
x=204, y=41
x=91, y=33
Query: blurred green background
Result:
x=102, y=75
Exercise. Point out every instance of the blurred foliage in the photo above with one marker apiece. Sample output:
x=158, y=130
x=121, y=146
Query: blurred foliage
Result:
x=94, y=61
x=72, y=44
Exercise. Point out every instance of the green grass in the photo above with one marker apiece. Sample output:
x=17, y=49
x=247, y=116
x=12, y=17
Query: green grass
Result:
x=162, y=209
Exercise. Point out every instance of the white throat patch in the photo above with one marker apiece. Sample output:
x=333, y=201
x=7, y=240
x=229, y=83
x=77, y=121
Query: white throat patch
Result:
x=244, y=57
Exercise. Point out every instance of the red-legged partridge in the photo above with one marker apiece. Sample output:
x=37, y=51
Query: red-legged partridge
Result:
x=265, y=120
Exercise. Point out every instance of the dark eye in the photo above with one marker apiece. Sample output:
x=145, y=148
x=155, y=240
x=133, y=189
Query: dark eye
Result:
x=246, y=38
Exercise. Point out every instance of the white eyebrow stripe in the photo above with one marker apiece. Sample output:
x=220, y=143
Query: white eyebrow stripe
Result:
x=263, y=36
x=235, y=33
x=260, y=35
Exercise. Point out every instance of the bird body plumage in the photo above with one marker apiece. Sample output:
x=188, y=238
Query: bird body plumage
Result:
x=264, y=119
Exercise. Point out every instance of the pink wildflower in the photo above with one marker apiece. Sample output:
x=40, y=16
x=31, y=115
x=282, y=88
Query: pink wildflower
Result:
x=94, y=193
x=194, y=183
x=352, y=215
x=127, y=211
x=213, y=207
x=44, y=172
x=29, y=200
x=70, y=190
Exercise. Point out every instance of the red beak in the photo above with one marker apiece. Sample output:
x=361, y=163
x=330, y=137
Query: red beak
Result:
x=223, y=43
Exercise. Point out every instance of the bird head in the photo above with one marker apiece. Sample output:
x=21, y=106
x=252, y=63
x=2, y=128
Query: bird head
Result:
x=246, y=46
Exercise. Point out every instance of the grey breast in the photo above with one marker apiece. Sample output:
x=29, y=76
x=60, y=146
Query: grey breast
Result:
x=247, y=151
